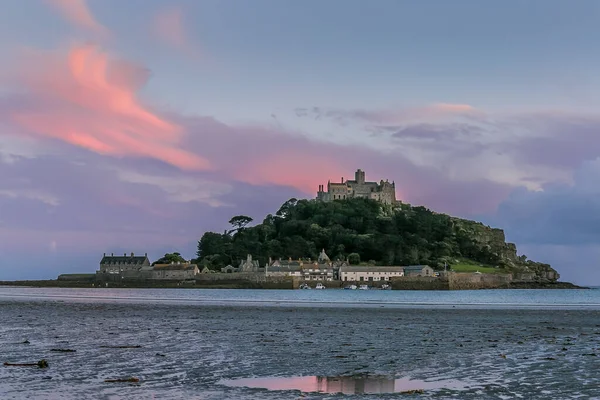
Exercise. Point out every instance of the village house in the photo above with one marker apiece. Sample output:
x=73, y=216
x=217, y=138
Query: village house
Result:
x=369, y=273
x=247, y=265
x=283, y=271
x=418, y=270
x=123, y=264
x=323, y=269
x=139, y=268
x=175, y=271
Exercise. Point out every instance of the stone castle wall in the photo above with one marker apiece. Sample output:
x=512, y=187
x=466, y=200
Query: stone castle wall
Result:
x=469, y=281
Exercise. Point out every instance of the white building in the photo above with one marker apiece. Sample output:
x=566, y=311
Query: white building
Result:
x=370, y=274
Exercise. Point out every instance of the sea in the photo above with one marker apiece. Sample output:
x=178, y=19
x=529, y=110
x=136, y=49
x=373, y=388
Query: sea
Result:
x=105, y=343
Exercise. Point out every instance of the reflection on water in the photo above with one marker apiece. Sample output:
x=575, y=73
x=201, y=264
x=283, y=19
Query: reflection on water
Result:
x=343, y=384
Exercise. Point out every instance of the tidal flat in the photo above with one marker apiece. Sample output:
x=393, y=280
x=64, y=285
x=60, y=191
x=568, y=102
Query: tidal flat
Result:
x=200, y=351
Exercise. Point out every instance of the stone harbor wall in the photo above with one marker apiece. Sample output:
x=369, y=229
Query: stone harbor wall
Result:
x=419, y=283
x=468, y=281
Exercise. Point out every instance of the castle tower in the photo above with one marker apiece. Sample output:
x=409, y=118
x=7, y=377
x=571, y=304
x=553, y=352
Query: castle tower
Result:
x=359, y=176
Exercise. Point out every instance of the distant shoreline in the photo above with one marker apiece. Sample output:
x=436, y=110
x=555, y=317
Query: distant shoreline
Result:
x=238, y=285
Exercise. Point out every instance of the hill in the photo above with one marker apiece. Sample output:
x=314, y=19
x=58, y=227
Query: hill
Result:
x=368, y=232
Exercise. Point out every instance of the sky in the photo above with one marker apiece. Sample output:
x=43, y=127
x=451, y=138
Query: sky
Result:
x=136, y=126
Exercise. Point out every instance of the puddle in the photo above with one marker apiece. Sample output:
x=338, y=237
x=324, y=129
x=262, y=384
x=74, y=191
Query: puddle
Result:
x=344, y=384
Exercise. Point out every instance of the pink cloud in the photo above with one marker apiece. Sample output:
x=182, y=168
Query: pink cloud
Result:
x=88, y=100
x=169, y=27
x=78, y=13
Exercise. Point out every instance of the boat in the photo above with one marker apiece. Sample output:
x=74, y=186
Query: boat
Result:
x=386, y=286
x=363, y=287
x=320, y=286
x=304, y=286
x=351, y=287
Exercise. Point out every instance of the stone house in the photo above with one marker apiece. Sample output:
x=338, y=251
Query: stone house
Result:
x=283, y=271
x=123, y=264
x=369, y=273
x=418, y=270
x=320, y=270
x=175, y=271
x=247, y=265
x=229, y=269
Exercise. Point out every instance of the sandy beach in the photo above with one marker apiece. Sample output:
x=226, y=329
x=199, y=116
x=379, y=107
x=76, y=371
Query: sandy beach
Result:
x=188, y=351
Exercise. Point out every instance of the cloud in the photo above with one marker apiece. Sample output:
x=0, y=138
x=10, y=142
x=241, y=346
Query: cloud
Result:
x=561, y=214
x=169, y=27
x=78, y=13
x=89, y=100
x=181, y=189
x=390, y=116
x=30, y=194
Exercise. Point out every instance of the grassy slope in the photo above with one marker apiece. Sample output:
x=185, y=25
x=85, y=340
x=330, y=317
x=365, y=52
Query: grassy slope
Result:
x=466, y=265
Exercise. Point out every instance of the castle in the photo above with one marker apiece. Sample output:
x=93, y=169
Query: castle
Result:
x=384, y=192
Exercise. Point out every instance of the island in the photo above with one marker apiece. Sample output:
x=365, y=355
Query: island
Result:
x=354, y=232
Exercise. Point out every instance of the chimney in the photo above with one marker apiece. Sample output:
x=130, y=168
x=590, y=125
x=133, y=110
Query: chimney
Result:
x=104, y=254
x=132, y=254
x=111, y=254
x=124, y=254
x=146, y=254
x=342, y=179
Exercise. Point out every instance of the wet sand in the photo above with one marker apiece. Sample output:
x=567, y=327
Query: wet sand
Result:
x=187, y=351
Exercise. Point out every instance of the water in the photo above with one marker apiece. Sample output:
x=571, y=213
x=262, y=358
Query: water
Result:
x=270, y=344
x=514, y=298
x=345, y=384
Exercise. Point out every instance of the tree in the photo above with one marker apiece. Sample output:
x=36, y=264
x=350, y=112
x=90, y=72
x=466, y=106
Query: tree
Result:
x=170, y=258
x=354, y=258
x=239, y=222
x=360, y=229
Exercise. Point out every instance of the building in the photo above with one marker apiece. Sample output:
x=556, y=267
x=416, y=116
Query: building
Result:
x=123, y=264
x=323, y=269
x=247, y=265
x=283, y=271
x=174, y=271
x=369, y=274
x=418, y=270
x=384, y=192
x=317, y=272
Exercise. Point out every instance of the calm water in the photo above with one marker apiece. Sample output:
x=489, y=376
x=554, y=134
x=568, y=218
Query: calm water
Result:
x=573, y=299
x=270, y=344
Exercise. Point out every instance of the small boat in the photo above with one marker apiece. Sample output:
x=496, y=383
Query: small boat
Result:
x=304, y=286
x=320, y=286
x=363, y=287
x=386, y=286
x=351, y=287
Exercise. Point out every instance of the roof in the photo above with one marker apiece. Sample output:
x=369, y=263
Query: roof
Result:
x=123, y=259
x=283, y=269
x=371, y=269
x=415, y=267
x=174, y=267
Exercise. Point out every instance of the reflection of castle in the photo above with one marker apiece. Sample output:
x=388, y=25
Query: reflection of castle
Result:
x=384, y=192
x=354, y=385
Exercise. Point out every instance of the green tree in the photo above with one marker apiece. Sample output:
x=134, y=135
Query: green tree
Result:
x=170, y=258
x=354, y=258
x=239, y=222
